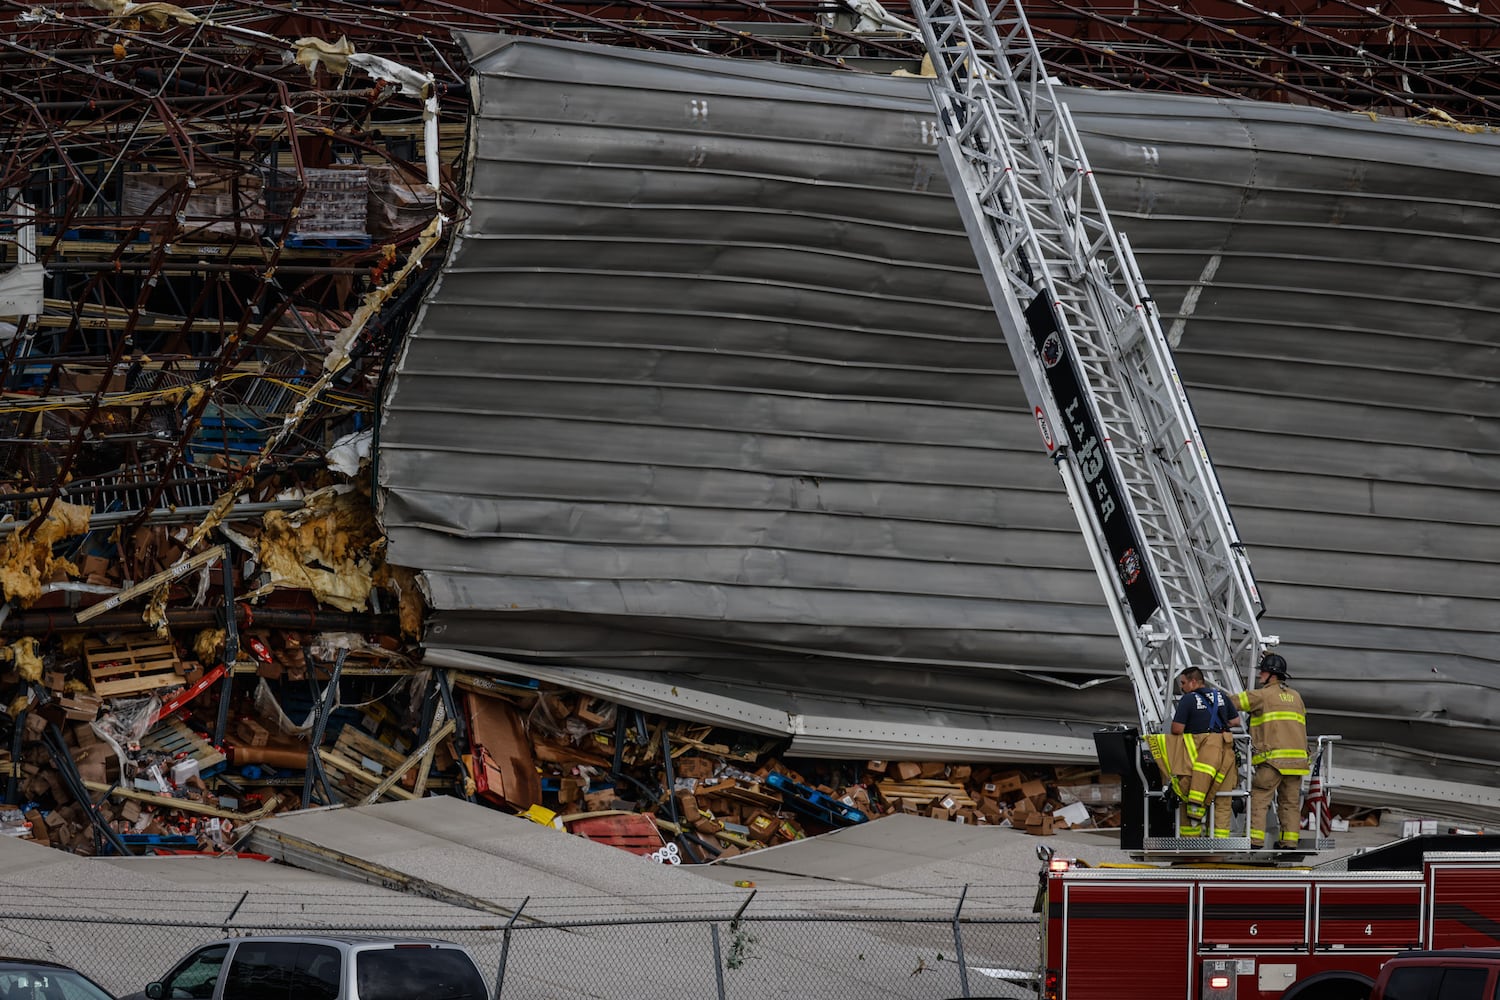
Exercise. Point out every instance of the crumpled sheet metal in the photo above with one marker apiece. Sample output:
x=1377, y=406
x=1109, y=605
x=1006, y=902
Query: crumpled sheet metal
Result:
x=710, y=384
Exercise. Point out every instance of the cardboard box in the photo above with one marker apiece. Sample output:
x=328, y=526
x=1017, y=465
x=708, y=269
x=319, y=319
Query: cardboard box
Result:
x=1039, y=825
x=693, y=767
x=251, y=733
x=218, y=205
x=399, y=200
x=1094, y=795
x=95, y=570
x=600, y=800
x=1033, y=790
x=762, y=826
x=933, y=768
x=81, y=707
x=875, y=766
x=687, y=807
x=940, y=813
x=908, y=771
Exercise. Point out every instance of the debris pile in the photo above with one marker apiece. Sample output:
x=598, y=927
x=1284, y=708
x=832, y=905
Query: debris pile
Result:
x=630, y=779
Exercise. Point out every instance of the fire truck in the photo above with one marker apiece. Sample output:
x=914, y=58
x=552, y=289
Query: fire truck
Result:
x=1098, y=371
x=1317, y=933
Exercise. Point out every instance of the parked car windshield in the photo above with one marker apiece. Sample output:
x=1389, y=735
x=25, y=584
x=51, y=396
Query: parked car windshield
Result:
x=430, y=973
x=47, y=984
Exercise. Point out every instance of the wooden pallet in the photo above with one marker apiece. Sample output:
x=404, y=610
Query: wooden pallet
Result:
x=172, y=736
x=135, y=663
x=924, y=791
x=349, y=770
x=633, y=832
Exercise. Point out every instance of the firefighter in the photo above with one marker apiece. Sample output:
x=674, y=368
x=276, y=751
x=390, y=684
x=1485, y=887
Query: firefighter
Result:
x=1278, y=749
x=1204, y=719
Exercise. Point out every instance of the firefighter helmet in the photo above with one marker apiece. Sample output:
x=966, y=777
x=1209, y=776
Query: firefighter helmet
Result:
x=1274, y=664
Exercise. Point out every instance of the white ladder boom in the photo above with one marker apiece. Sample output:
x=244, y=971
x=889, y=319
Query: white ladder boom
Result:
x=1092, y=357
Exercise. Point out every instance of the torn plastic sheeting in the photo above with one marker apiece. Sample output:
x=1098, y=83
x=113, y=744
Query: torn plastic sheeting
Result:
x=311, y=52
x=21, y=290
x=156, y=13
x=26, y=560
x=269, y=708
x=413, y=82
x=350, y=452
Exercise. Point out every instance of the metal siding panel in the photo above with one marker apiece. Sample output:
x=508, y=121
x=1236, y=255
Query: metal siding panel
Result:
x=721, y=335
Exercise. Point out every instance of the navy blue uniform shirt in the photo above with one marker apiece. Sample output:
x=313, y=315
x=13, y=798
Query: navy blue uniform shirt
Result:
x=1205, y=710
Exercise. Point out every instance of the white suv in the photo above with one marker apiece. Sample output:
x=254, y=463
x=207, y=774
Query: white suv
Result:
x=323, y=967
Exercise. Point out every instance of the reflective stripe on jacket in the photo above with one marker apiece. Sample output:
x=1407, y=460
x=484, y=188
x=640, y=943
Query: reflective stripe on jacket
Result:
x=1278, y=727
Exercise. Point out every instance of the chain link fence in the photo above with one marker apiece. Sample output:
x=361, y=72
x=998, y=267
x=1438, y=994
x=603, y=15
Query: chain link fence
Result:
x=729, y=957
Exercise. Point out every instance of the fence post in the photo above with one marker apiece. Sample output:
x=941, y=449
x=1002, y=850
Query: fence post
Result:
x=958, y=942
x=234, y=912
x=505, y=947
x=713, y=932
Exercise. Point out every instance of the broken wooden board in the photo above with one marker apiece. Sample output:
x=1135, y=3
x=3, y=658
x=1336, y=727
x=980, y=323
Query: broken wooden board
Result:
x=504, y=766
x=184, y=805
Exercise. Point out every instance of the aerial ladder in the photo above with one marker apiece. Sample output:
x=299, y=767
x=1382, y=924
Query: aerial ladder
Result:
x=1096, y=367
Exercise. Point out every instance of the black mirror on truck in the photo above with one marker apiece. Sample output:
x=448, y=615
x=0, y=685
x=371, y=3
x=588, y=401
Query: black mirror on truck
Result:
x=155, y=991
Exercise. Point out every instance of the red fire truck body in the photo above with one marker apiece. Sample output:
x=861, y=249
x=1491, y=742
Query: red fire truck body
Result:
x=1248, y=934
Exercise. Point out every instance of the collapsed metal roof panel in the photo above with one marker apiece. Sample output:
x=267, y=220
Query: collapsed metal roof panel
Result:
x=710, y=385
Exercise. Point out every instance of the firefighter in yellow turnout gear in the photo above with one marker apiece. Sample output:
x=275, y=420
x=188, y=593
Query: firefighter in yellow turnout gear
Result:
x=1198, y=756
x=1278, y=748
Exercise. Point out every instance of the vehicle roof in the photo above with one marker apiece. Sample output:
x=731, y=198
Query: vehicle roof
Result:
x=345, y=939
x=1463, y=954
x=33, y=963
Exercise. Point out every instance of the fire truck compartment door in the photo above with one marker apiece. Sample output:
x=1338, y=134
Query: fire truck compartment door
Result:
x=1108, y=930
x=1379, y=917
x=1237, y=917
x=1465, y=905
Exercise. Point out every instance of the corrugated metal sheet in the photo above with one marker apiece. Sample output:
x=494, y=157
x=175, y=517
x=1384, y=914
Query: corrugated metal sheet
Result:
x=710, y=386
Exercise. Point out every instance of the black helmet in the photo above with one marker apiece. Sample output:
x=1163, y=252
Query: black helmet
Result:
x=1274, y=665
